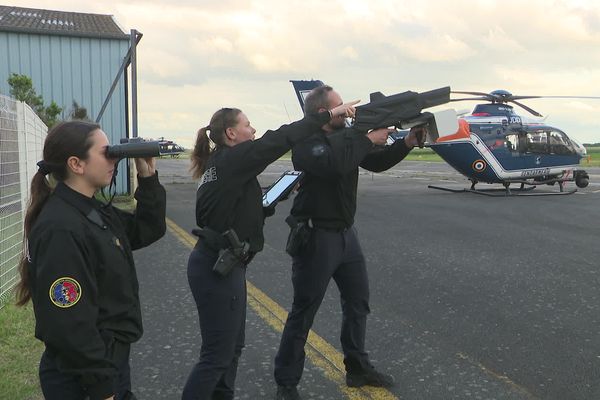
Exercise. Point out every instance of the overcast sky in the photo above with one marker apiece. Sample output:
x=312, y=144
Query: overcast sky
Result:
x=198, y=56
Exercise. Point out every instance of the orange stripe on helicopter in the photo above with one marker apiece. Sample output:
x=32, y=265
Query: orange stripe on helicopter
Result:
x=462, y=132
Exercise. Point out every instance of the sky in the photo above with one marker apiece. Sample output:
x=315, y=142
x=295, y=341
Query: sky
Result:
x=198, y=56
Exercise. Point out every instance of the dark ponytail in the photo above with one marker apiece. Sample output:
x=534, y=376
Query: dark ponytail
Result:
x=67, y=139
x=220, y=121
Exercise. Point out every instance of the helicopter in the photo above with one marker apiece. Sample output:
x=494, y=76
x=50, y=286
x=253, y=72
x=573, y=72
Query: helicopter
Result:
x=495, y=145
x=169, y=148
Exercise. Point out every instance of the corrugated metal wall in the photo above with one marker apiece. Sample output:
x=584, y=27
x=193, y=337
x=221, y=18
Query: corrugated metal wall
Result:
x=65, y=68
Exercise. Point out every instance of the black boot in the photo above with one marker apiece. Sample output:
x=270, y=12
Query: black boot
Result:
x=287, y=393
x=369, y=377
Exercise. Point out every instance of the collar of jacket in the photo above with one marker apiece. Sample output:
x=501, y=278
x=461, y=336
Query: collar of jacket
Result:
x=86, y=205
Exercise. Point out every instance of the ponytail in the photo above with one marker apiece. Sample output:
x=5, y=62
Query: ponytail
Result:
x=200, y=153
x=220, y=121
x=40, y=192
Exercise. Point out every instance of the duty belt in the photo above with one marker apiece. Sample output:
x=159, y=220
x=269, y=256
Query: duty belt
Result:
x=217, y=242
x=213, y=239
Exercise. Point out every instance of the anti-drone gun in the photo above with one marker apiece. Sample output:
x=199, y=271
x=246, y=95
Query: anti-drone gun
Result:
x=405, y=111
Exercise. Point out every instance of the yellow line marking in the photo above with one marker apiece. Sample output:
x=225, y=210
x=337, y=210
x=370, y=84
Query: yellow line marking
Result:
x=318, y=351
x=502, y=378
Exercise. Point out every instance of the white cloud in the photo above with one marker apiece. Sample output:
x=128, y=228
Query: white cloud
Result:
x=498, y=39
x=436, y=49
x=165, y=64
x=195, y=57
x=349, y=52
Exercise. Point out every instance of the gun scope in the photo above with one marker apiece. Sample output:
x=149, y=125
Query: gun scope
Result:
x=134, y=148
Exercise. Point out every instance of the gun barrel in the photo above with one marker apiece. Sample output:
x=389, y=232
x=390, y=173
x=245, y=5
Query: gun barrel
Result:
x=385, y=111
x=435, y=97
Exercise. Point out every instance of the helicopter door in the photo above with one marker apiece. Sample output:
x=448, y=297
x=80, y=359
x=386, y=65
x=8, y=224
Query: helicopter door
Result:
x=516, y=143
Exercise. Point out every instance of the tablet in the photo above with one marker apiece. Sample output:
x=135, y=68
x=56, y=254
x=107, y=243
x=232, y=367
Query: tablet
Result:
x=281, y=188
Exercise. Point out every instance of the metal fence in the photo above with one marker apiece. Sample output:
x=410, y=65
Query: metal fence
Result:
x=22, y=136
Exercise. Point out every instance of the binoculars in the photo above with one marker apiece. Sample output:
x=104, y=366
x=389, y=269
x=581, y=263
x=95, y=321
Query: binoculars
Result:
x=134, y=148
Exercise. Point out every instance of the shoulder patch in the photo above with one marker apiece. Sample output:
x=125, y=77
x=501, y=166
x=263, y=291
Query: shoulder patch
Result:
x=65, y=292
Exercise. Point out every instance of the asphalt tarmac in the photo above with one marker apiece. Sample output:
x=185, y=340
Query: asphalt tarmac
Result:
x=472, y=297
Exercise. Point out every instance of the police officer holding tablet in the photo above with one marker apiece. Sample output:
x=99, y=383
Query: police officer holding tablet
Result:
x=230, y=214
x=78, y=267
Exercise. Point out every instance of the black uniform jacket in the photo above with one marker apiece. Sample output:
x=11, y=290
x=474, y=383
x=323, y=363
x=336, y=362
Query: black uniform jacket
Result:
x=327, y=194
x=229, y=195
x=83, y=281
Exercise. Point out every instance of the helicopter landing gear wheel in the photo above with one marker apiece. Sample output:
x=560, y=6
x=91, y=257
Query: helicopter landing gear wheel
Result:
x=582, y=179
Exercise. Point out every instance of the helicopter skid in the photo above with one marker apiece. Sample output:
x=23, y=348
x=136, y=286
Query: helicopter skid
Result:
x=505, y=192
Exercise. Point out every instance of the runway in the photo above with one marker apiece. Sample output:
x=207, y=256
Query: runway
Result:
x=471, y=296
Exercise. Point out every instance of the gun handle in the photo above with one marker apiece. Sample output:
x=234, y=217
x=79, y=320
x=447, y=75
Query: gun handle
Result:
x=421, y=135
x=233, y=238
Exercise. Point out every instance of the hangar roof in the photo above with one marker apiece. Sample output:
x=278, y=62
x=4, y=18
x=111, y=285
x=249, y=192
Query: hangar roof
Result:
x=50, y=22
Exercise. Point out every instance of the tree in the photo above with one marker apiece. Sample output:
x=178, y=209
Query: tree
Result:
x=79, y=112
x=51, y=113
x=21, y=88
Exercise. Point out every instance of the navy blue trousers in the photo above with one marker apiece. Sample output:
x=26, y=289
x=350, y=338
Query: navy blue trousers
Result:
x=221, y=303
x=336, y=255
x=57, y=385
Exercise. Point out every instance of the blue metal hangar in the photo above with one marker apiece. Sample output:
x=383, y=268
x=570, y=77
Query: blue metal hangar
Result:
x=72, y=57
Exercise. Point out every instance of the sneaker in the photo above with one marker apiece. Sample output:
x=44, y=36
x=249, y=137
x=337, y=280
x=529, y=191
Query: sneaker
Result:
x=370, y=377
x=287, y=393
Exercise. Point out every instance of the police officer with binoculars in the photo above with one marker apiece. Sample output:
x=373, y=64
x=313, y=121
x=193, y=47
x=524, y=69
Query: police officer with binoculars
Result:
x=78, y=267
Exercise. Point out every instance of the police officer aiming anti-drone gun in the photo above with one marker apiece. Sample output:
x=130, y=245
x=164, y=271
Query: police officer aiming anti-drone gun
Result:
x=404, y=111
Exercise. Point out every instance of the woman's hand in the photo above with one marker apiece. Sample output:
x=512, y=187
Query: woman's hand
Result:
x=145, y=166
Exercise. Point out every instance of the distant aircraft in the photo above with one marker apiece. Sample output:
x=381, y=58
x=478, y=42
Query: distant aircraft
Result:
x=169, y=148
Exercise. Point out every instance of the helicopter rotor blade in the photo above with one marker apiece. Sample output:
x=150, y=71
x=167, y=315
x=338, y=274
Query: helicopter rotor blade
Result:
x=472, y=98
x=554, y=97
x=531, y=110
x=525, y=97
x=471, y=93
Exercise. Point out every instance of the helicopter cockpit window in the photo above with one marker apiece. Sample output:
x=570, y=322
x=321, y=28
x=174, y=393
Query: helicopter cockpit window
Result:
x=560, y=143
x=512, y=142
x=537, y=142
x=540, y=142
